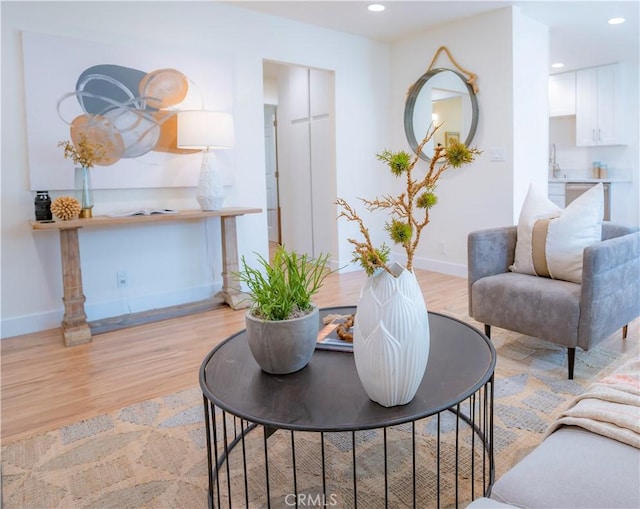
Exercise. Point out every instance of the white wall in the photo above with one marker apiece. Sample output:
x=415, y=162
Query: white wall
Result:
x=172, y=263
x=479, y=195
x=530, y=107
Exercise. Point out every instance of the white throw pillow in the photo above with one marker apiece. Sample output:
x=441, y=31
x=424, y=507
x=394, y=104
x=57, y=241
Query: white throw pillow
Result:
x=551, y=240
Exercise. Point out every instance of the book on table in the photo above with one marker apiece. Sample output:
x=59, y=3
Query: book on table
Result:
x=141, y=212
x=329, y=336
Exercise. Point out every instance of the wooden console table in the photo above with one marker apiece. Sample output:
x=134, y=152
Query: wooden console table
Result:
x=75, y=328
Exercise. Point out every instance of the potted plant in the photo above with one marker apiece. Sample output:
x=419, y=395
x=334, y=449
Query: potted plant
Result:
x=282, y=321
x=391, y=328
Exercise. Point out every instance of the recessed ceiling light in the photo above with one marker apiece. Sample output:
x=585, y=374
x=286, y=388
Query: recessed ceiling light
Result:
x=376, y=7
x=616, y=21
x=557, y=65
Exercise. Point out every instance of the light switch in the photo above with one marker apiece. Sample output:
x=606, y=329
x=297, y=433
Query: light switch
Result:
x=498, y=154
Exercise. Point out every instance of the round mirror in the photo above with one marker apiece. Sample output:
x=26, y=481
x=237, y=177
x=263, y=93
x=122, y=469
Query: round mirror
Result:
x=444, y=97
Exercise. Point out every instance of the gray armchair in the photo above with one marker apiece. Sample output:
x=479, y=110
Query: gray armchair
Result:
x=567, y=314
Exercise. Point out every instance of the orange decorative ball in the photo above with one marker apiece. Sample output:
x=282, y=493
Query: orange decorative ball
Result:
x=65, y=208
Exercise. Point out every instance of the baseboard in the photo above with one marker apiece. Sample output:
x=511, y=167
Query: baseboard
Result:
x=28, y=324
x=154, y=315
x=451, y=269
x=117, y=310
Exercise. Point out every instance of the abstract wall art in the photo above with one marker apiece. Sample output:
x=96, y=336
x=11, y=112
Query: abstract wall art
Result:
x=125, y=99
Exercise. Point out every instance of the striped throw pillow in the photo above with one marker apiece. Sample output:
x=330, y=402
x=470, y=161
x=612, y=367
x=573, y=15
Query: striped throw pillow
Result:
x=551, y=240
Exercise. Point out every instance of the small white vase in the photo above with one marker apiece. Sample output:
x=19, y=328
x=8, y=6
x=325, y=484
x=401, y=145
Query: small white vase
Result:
x=391, y=336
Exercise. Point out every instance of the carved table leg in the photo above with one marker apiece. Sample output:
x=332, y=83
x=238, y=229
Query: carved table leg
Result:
x=231, y=290
x=75, y=328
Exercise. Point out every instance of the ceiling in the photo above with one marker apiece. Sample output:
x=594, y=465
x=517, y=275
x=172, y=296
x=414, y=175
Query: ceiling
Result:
x=579, y=33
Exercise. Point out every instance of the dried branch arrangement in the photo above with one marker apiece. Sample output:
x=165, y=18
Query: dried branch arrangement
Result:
x=86, y=154
x=410, y=209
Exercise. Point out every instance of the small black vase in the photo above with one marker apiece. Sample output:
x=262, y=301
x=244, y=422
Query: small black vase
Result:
x=43, y=206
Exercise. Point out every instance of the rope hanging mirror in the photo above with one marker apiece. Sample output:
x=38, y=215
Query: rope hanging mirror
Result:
x=441, y=91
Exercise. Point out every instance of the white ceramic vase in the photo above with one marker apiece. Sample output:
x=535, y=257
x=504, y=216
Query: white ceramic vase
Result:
x=391, y=336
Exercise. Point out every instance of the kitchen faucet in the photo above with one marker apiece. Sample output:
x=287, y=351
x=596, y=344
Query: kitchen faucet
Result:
x=555, y=167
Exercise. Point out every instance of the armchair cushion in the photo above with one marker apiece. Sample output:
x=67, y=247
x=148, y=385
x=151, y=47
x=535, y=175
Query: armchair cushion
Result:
x=510, y=298
x=551, y=241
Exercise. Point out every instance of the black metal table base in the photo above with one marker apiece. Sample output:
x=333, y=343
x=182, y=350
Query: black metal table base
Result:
x=444, y=460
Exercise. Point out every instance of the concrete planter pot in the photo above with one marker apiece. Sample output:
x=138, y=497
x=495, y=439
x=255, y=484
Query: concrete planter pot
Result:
x=284, y=346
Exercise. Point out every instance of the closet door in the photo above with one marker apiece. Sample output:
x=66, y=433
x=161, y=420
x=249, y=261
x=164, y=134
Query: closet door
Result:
x=294, y=163
x=306, y=160
x=323, y=171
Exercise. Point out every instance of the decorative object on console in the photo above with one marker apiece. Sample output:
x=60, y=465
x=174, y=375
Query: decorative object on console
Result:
x=283, y=323
x=207, y=130
x=86, y=154
x=141, y=212
x=86, y=192
x=42, y=204
x=391, y=331
x=66, y=208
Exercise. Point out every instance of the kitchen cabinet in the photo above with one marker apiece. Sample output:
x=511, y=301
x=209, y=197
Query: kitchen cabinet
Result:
x=556, y=193
x=562, y=94
x=599, y=101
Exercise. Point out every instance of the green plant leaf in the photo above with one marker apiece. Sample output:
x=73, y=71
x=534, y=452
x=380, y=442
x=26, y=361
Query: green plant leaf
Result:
x=283, y=287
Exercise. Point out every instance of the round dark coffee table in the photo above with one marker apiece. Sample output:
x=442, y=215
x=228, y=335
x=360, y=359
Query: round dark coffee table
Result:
x=448, y=424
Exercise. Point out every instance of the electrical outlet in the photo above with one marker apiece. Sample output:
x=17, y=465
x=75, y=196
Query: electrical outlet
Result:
x=122, y=279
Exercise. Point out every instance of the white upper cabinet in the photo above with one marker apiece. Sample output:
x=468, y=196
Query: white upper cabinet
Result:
x=599, y=103
x=562, y=94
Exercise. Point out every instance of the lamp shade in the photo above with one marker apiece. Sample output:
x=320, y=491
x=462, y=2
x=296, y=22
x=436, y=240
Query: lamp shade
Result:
x=205, y=129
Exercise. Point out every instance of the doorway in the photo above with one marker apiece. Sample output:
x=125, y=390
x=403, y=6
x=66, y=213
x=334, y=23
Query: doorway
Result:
x=301, y=188
x=271, y=175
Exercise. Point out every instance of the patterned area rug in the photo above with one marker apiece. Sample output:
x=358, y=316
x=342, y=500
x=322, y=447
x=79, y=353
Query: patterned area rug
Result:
x=153, y=454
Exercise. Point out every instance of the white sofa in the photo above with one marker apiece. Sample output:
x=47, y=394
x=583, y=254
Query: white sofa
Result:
x=588, y=461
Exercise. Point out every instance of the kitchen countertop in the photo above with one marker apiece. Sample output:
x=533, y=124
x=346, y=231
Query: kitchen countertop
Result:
x=572, y=180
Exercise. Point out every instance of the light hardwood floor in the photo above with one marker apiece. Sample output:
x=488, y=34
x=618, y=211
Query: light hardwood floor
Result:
x=46, y=385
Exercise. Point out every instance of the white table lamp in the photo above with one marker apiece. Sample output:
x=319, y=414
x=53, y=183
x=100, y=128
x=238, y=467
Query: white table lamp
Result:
x=208, y=131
